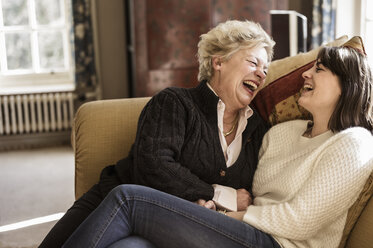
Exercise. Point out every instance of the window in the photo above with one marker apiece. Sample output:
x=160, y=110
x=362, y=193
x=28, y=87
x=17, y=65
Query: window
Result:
x=367, y=27
x=35, y=45
x=356, y=18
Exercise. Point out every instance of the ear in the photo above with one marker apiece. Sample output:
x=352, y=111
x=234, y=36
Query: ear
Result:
x=216, y=63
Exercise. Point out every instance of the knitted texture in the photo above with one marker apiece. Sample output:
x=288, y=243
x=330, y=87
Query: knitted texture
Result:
x=177, y=148
x=304, y=187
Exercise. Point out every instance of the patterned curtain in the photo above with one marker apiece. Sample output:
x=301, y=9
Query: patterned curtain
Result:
x=323, y=22
x=85, y=70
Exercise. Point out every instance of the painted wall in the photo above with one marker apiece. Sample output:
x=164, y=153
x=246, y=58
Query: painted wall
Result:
x=111, y=54
x=348, y=19
x=111, y=45
x=304, y=7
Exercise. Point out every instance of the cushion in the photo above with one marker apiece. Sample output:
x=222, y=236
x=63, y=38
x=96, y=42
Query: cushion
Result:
x=277, y=102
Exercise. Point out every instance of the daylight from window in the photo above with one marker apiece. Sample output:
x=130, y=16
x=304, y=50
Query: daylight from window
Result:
x=34, y=37
x=368, y=31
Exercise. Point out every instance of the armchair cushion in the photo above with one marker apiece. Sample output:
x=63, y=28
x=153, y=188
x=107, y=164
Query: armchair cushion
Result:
x=103, y=133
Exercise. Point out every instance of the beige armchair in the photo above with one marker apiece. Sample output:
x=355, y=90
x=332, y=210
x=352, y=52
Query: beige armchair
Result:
x=105, y=130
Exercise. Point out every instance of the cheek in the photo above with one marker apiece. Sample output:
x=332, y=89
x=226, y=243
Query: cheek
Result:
x=333, y=93
x=333, y=88
x=327, y=100
x=250, y=69
x=335, y=100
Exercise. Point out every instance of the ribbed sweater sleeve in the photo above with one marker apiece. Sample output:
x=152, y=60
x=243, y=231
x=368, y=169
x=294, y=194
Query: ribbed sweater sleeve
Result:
x=337, y=172
x=162, y=129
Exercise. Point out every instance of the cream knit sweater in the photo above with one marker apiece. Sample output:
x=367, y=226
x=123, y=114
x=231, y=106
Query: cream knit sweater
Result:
x=303, y=187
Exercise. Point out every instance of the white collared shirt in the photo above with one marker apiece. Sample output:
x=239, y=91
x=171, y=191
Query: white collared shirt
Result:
x=232, y=151
x=224, y=196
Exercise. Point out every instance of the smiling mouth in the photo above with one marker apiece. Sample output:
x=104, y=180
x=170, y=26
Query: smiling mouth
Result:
x=307, y=88
x=250, y=85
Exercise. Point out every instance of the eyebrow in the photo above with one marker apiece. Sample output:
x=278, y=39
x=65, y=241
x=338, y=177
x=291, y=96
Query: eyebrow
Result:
x=318, y=63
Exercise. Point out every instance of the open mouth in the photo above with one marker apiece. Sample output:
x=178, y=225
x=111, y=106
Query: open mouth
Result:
x=250, y=85
x=307, y=88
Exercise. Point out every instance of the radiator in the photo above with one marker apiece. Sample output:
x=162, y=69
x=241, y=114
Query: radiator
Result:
x=36, y=113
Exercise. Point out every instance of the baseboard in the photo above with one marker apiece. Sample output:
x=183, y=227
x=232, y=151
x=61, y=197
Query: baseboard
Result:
x=35, y=140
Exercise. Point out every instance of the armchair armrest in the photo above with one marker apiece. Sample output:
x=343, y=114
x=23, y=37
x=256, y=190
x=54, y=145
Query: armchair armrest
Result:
x=103, y=133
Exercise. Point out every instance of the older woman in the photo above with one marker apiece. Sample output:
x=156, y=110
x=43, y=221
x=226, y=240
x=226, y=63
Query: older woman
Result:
x=200, y=144
x=309, y=174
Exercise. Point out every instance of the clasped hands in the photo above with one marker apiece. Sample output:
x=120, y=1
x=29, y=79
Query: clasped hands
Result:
x=243, y=201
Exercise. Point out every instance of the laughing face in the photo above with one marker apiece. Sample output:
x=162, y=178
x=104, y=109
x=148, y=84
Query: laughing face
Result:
x=321, y=90
x=238, y=79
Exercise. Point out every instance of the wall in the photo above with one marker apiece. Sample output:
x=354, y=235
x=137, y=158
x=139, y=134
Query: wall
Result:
x=348, y=19
x=304, y=7
x=111, y=38
x=110, y=41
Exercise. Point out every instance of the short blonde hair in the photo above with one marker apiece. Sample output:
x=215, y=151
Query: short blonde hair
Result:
x=226, y=39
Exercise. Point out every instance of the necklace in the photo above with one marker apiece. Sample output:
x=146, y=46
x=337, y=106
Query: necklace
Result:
x=233, y=127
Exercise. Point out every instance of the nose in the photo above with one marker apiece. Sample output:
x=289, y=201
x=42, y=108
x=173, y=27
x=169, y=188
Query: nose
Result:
x=260, y=73
x=306, y=74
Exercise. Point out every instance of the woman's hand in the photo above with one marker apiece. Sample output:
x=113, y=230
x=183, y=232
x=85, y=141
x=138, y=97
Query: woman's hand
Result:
x=207, y=204
x=243, y=199
x=236, y=215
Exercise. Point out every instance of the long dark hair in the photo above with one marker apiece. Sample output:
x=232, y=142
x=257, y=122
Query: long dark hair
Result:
x=355, y=105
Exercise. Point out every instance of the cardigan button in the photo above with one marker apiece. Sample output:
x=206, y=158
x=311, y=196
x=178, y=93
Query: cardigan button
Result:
x=222, y=173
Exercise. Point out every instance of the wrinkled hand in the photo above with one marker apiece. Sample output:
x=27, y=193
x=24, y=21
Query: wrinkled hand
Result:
x=207, y=204
x=243, y=199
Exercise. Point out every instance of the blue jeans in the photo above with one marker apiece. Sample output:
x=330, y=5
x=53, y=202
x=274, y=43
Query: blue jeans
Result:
x=163, y=220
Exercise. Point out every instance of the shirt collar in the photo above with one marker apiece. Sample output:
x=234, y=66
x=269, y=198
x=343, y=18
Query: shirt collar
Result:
x=212, y=89
x=247, y=112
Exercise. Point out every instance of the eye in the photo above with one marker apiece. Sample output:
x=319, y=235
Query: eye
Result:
x=252, y=62
x=319, y=67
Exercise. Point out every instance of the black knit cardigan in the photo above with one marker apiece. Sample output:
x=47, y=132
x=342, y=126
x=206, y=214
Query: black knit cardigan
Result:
x=177, y=148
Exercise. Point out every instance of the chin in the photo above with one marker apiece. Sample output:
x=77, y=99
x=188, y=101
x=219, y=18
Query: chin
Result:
x=247, y=101
x=245, y=98
x=301, y=103
x=304, y=106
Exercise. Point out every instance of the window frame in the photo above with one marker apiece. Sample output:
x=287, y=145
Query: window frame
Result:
x=364, y=19
x=351, y=21
x=37, y=79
